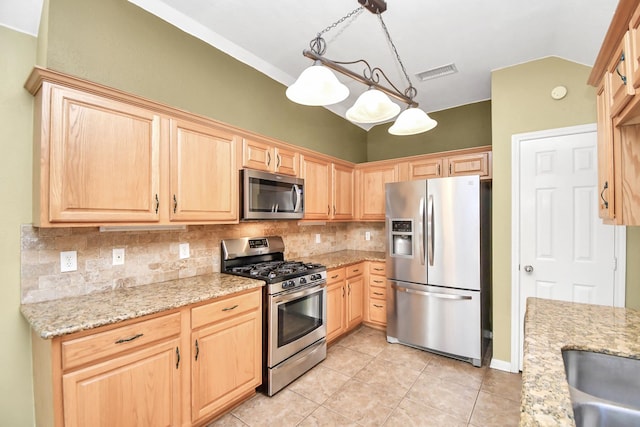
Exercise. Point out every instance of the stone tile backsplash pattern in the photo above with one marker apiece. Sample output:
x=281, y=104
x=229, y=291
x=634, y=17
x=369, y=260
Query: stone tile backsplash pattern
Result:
x=152, y=256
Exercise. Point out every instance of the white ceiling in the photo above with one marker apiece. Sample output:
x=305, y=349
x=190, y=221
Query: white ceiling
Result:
x=477, y=36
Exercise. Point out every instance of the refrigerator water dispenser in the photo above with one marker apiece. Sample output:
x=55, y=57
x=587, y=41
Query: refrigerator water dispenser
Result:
x=402, y=238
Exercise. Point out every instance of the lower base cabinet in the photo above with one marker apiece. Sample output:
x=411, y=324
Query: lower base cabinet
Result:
x=182, y=368
x=376, y=296
x=345, y=288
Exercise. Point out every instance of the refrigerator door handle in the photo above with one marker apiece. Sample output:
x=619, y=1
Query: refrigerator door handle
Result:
x=421, y=230
x=430, y=230
x=431, y=294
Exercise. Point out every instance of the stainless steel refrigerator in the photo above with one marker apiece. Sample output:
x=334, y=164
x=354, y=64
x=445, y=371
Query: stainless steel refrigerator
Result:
x=439, y=265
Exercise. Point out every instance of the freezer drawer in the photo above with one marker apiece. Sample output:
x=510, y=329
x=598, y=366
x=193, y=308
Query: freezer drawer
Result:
x=434, y=318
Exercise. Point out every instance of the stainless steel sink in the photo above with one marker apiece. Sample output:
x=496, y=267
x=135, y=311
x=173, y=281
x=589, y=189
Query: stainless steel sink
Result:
x=605, y=389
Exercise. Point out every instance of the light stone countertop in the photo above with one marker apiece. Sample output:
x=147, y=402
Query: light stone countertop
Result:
x=68, y=315
x=65, y=316
x=551, y=326
x=347, y=257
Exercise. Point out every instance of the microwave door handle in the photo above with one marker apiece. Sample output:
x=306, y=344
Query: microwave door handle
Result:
x=295, y=197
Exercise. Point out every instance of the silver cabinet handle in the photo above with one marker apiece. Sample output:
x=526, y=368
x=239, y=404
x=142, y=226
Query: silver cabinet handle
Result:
x=431, y=294
x=528, y=268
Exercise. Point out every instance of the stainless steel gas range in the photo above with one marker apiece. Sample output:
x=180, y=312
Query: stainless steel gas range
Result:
x=295, y=311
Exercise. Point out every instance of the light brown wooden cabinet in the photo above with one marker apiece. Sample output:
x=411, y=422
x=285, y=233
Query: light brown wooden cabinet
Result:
x=269, y=158
x=345, y=299
x=105, y=157
x=430, y=167
x=227, y=357
x=181, y=368
x=354, y=303
x=456, y=163
x=376, y=296
x=371, y=188
x=99, y=159
x=616, y=76
x=329, y=193
x=336, y=322
x=204, y=184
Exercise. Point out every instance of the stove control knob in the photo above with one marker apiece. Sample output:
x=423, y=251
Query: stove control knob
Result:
x=303, y=280
x=315, y=276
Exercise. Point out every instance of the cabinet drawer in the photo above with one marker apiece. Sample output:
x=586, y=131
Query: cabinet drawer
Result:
x=225, y=308
x=355, y=270
x=378, y=269
x=377, y=293
x=78, y=351
x=335, y=275
x=378, y=311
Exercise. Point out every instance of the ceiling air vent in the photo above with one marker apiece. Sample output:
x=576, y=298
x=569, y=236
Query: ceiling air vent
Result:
x=437, y=72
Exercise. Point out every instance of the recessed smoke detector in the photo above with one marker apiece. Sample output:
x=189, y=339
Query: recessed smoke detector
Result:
x=434, y=73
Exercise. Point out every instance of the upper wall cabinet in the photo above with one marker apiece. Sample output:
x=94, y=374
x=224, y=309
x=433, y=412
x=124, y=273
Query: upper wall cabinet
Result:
x=204, y=184
x=99, y=159
x=329, y=193
x=616, y=75
x=104, y=157
x=268, y=157
x=372, y=178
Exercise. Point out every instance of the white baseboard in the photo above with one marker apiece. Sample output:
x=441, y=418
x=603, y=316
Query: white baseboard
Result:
x=500, y=365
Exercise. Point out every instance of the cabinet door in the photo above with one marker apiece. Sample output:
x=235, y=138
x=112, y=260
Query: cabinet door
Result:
x=425, y=169
x=343, y=192
x=316, y=173
x=204, y=182
x=287, y=161
x=634, y=33
x=104, y=163
x=620, y=75
x=372, y=190
x=257, y=155
x=139, y=389
x=468, y=164
x=355, y=301
x=606, y=184
x=227, y=363
x=335, y=310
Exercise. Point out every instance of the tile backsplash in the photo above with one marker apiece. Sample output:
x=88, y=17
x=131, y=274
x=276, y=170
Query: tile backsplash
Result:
x=153, y=256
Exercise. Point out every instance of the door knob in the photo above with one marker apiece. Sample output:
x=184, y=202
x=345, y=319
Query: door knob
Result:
x=528, y=268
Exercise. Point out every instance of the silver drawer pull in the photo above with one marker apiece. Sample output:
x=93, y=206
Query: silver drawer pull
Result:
x=378, y=281
x=378, y=269
x=377, y=306
x=377, y=293
x=335, y=277
x=124, y=340
x=230, y=308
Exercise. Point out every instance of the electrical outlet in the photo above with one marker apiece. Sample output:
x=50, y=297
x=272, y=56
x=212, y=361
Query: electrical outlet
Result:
x=367, y=235
x=318, y=238
x=184, y=250
x=68, y=261
x=118, y=256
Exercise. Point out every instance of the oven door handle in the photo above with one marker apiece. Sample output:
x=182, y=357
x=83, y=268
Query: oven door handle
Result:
x=298, y=294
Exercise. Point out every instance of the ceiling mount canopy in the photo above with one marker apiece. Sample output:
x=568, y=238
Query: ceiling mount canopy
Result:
x=317, y=85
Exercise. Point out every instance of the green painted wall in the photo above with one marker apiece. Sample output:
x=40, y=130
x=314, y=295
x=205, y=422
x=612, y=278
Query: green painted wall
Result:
x=521, y=102
x=461, y=127
x=16, y=123
x=115, y=43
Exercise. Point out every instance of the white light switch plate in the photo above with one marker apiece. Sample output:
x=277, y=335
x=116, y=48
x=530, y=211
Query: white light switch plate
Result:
x=367, y=235
x=118, y=256
x=318, y=238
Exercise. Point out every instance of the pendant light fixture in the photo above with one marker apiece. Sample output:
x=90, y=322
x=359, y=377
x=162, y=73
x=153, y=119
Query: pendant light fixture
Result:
x=318, y=85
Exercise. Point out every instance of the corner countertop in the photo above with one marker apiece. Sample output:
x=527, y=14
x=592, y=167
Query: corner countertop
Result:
x=550, y=327
x=67, y=315
x=347, y=257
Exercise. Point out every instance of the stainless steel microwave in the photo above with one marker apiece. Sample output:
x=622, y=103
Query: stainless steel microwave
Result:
x=271, y=196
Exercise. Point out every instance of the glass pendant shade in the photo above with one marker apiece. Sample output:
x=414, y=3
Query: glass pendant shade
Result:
x=371, y=107
x=412, y=121
x=316, y=86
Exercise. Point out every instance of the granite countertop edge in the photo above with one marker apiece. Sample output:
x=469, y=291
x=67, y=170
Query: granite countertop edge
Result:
x=552, y=326
x=64, y=316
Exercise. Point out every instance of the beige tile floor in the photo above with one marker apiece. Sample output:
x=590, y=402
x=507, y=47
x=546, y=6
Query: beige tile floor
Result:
x=366, y=381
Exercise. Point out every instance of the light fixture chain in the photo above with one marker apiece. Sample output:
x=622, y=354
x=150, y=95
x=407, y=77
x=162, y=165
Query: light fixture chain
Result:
x=341, y=20
x=411, y=91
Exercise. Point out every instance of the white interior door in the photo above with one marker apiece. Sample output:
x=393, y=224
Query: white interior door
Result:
x=565, y=252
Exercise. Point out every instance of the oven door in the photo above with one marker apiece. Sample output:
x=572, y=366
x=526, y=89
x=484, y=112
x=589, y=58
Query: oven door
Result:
x=297, y=319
